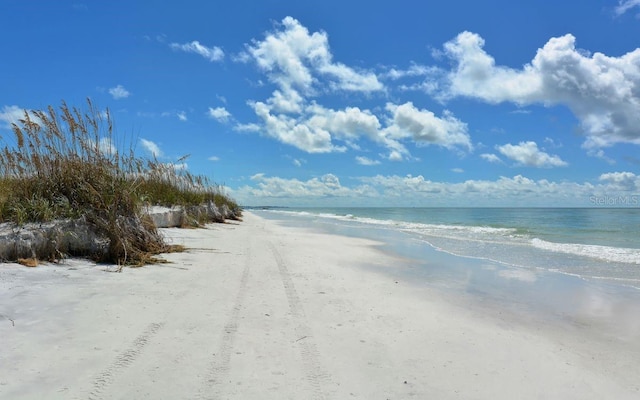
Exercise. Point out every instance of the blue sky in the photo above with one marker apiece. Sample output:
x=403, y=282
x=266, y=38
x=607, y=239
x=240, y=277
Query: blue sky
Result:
x=339, y=103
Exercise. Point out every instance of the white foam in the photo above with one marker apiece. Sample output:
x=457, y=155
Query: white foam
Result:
x=605, y=253
x=488, y=234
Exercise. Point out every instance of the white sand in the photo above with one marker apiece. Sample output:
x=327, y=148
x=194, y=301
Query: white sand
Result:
x=259, y=311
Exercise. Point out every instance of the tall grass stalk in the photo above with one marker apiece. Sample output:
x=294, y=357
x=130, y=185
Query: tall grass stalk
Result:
x=64, y=164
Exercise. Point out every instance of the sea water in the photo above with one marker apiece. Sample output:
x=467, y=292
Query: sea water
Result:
x=573, y=268
x=601, y=244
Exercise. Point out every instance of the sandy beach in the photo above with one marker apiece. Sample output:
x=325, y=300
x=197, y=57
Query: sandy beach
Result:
x=255, y=310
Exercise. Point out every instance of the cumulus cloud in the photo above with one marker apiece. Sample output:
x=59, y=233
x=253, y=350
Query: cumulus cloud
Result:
x=220, y=114
x=424, y=127
x=301, y=66
x=293, y=58
x=622, y=180
x=119, y=92
x=528, y=154
x=210, y=53
x=412, y=190
x=294, y=131
x=516, y=190
x=317, y=129
x=325, y=186
x=347, y=124
x=151, y=147
x=602, y=91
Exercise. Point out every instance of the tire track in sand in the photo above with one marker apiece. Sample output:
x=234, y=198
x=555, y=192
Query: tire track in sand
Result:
x=314, y=373
x=125, y=359
x=219, y=367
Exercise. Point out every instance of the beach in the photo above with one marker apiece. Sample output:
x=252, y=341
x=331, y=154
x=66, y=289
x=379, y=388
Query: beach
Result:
x=260, y=310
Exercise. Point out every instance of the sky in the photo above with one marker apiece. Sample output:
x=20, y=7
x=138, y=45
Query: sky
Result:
x=350, y=103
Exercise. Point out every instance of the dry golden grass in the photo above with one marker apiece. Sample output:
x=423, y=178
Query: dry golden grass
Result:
x=66, y=164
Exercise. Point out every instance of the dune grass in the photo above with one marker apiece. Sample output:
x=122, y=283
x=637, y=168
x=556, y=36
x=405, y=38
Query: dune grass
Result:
x=66, y=163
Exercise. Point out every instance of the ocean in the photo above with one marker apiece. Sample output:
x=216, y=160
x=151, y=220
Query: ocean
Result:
x=595, y=244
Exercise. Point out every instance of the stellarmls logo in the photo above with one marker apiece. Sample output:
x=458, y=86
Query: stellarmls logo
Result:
x=616, y=201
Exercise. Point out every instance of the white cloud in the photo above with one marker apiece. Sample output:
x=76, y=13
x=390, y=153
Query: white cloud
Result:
x=413, y=70
x=476, y=74
x=11, y=115
x=301, y=66
x=316, y=128
x=423, y=127
x=274, y=187
x=347, y=124
x=210, y=53
x=288, y=101
x=599, y=153
x=248, y=127
x=623, y=180
x=552, y=143
x=366, y=161
x=528, y=154
x=517, y=190
x=295, y=131
x=457, y=170
x=396, y=155
x=298, y=162
x=600, y=90
x=214, y=158
x=151, y=147
x=181, y=115
x=492, y=158
x=416, y=190
x=220, y=114
x=295, y=59
x=107, y=146
x=626, y=5
x=119, y=92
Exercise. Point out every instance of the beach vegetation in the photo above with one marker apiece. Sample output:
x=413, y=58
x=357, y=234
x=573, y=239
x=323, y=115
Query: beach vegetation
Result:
x=66, y=163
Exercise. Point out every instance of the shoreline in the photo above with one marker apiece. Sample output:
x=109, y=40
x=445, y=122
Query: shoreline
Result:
x=548, y=293
x=261, y=310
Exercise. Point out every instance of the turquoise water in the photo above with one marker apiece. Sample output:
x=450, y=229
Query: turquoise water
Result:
x=590, y=243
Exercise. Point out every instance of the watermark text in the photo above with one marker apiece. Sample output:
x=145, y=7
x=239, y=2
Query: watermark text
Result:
x=615, y=201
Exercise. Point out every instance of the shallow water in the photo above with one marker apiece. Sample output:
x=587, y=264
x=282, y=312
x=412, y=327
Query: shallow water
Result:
x=598, y=244
x=524, y=281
